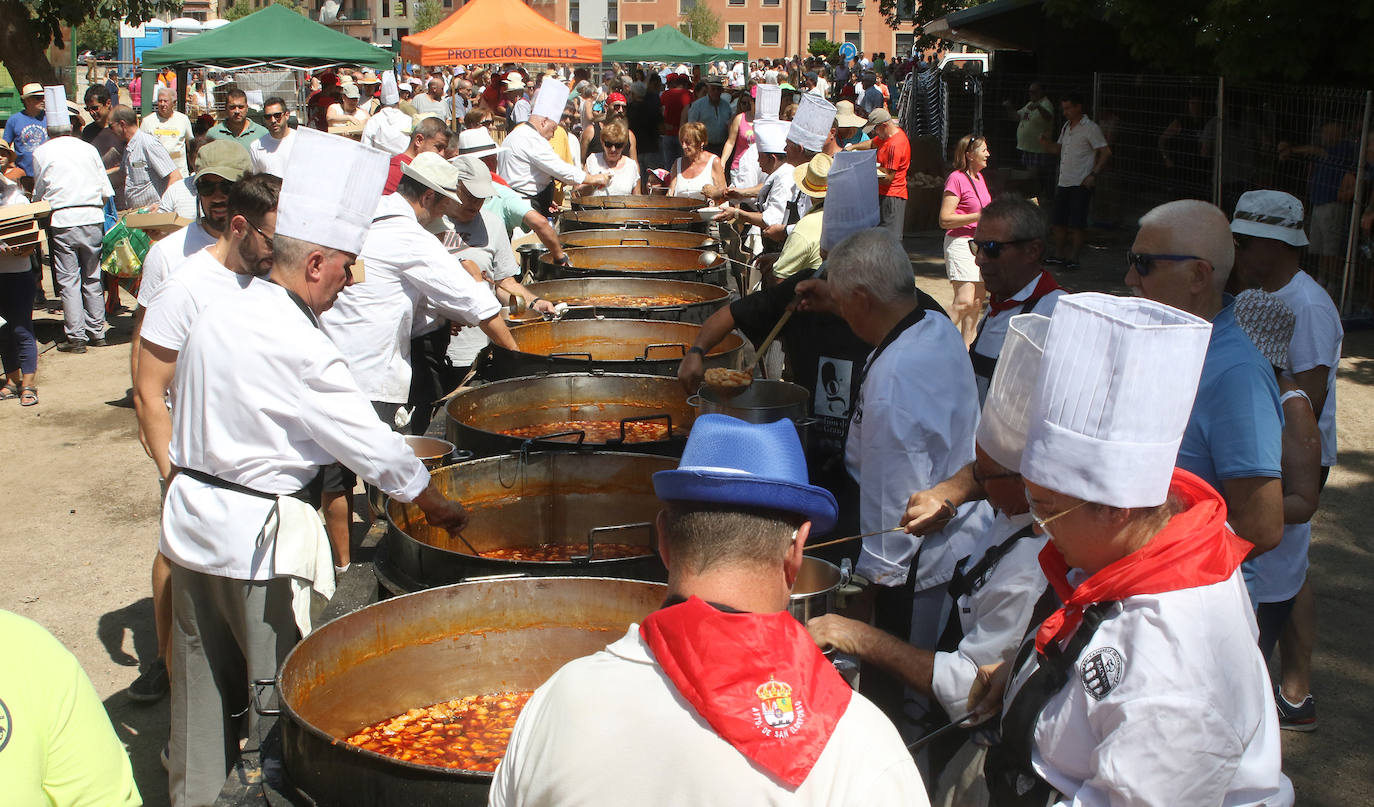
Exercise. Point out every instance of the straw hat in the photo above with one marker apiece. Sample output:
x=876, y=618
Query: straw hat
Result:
x=845, y=117
x=811, y=178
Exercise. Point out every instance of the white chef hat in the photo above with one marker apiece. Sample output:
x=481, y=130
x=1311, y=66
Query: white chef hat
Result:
x=330, y=190
x=769, y=101
x=1116, y=390
x=55, y=106
x=851, y=196
x=1002, y=429
x=811, y=125
x=770, y=136
x=390, y=93
x=551, y=99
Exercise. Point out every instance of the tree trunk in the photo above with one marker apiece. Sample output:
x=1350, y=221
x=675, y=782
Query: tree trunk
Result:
x=23, y=51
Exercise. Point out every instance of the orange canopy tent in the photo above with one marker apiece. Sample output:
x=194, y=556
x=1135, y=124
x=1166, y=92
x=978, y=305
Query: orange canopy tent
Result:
x=497, y=31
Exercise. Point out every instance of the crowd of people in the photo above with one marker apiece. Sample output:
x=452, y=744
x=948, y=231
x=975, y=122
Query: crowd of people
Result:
x=1081, y=521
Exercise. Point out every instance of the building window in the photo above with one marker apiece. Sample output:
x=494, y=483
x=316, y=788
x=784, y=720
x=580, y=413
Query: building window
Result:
x=856, y=37
x=816, y=36
x=771, y=3
x=401, y=33
x=646, y=27
x=386, y=33
x=448, y=3
x=853, y=6
x=400, y=8
x=819, y=6
x=735, y=35
x=735, y=2
x=631, y=29
x=769, y=36
x=685, y=6
x=903, y=45
x=386, y=8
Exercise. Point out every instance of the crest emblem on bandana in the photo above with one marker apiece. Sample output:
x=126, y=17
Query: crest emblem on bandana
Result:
x=778, y=714
x=1102, y=670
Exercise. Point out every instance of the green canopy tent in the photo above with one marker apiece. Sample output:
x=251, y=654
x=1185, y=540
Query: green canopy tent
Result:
x=273, y=37
x=668, y=45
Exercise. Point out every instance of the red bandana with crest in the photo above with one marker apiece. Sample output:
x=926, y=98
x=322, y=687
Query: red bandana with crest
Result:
x=758, y=679
x=1194, y=549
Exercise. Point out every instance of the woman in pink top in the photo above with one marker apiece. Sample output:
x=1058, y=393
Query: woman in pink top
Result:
x=741, y=135
x=960, y=208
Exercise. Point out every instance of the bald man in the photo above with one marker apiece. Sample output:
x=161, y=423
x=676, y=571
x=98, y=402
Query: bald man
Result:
x=1182, y=257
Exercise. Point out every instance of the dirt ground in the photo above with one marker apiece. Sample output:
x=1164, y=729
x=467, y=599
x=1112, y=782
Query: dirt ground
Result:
x=83, y=504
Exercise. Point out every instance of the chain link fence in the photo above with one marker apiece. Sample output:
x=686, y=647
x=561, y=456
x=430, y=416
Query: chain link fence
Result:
x=1202, y=137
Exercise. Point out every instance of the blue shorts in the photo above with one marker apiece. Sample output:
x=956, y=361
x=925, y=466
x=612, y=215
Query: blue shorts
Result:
x=1071, y=206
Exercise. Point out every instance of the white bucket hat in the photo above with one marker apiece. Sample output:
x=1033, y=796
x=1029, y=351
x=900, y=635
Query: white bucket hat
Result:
x=1270, y=214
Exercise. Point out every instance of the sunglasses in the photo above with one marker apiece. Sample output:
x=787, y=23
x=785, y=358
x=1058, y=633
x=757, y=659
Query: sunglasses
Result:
x=993, y=249
x=209, y=187
x=617, y=106
x=488, y=122
x=274, y=115
x=608, y=144
x=1144, y=262
x=92, y=107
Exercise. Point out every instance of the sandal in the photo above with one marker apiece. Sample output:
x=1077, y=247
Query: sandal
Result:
x=9, y=391
x=29, y=396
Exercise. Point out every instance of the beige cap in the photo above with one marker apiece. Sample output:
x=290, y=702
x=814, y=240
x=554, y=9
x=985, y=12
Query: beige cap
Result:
x=435, y=173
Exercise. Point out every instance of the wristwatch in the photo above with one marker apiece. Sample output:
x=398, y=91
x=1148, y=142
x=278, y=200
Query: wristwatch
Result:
x=697, y=349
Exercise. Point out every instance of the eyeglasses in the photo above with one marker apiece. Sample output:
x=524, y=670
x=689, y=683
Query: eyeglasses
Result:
x=488, y=121
x=993, y=249
x=210, y=187
x=274, y=115
x=92, y=107
x=617, y=106
x=1041, y=522
x=267, y=239
x=1144, y=262
x=608, y=144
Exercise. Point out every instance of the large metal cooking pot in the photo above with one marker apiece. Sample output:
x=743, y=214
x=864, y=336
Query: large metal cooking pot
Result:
x=647, y=218
x=763, y=402
x=644, y=238
x=662, y=263
x=478, y=416
x=613, y=345
x=428, y=647
x=523, y=499
x=636, y=202
x=814, y=592
x=620, y=298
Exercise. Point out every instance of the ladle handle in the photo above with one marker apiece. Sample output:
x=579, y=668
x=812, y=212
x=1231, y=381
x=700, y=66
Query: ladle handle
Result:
x=773, y=334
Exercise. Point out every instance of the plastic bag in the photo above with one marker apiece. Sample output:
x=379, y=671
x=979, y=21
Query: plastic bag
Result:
x=122, y=250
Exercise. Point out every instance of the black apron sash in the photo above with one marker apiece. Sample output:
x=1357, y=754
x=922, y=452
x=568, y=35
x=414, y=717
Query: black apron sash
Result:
x=983, y=366
x=310, y=494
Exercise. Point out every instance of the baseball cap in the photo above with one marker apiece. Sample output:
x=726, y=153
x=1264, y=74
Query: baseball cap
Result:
x=876, y=118
x=350, y=91
x=474, y=175
x=223, y=158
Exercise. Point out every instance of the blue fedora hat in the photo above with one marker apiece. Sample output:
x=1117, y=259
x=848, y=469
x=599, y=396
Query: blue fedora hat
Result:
x=728, y=461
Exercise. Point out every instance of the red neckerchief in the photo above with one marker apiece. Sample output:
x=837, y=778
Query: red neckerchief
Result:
x=1043, y=286
x=495, y=178
x=1194, y=549
x=758, y=679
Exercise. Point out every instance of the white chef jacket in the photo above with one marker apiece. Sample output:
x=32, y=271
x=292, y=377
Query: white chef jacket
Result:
x=69, y=175
x=529, y=163
x=1188, y=716
x=913, y=426
x=996, y=615
x=264, y=399
x=269, y=154
x=166, y=256
x=388, y=130
x=611, y=729
x=993, y=328
x=371, y=322
x=779, y=189
x=201, y=281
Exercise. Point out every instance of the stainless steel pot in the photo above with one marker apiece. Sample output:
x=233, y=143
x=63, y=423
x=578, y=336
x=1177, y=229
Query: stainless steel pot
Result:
x=814, y=592
x=764, y=401
x=649, y=219
x=428, y=647
x=434, y=452
x=610, y=345
x=636, y=202
x=479, y=416
x=661, y=263
x=527, y=498
x=642, y=238
x=691, y=302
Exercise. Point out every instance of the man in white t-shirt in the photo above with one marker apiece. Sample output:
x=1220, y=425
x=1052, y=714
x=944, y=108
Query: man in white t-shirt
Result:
x=1083, y=154
x=744, y=726
x=171, y=128
x=241, y=250
x=1268, y=230
x=270, y=151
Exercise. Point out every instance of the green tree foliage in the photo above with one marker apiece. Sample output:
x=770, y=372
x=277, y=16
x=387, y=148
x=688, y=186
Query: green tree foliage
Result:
x=97, y=35
x=242, y=8
x=28, y=27
x=426, y=14
x=701, y=24
x=824, y=48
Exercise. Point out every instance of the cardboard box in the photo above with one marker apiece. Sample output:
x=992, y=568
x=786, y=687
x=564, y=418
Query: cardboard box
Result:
x=10, y=213
x=156, y=221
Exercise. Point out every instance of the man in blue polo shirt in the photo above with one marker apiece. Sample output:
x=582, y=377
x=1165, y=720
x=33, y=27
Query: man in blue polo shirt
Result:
x=1182, y=257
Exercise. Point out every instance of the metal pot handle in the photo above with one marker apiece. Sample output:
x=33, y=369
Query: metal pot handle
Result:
x=638, y=223
x=694, y=400
x=628, y=241
x=650, y=347
x=644, y=418
x=586, y=356
x=679, y=310
x=259, y=684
